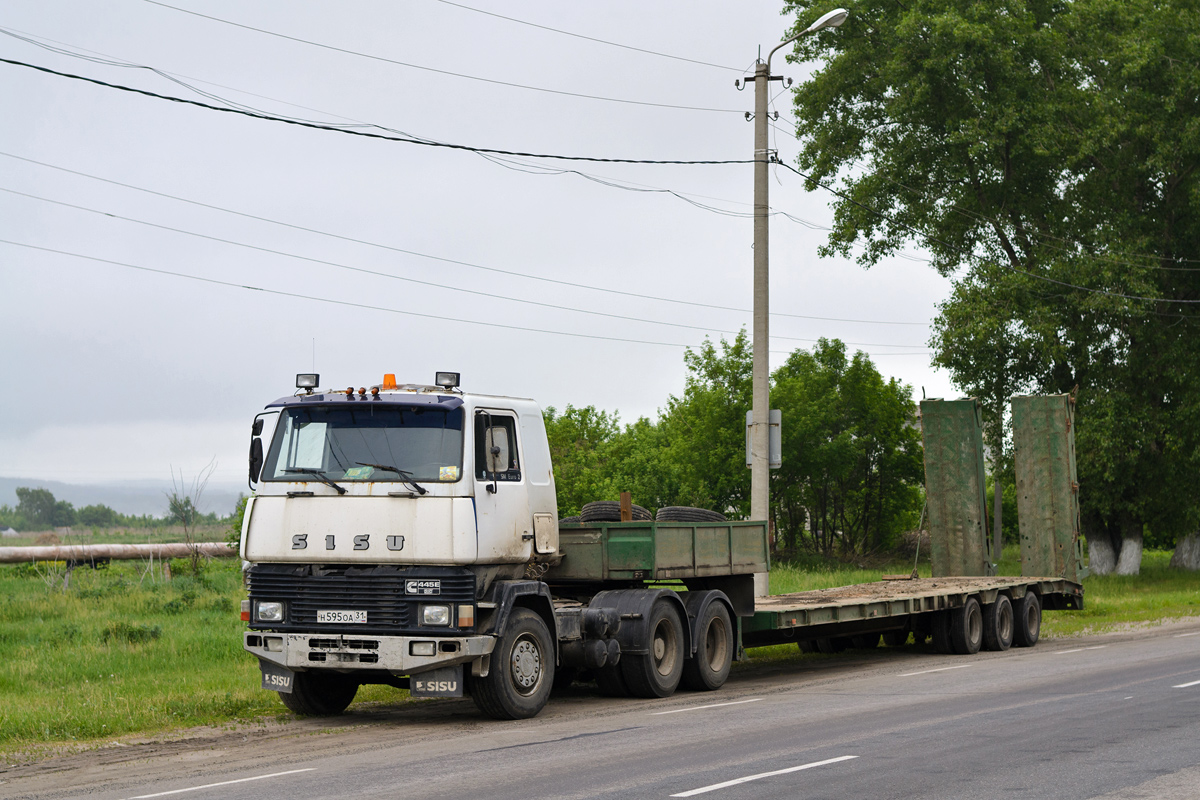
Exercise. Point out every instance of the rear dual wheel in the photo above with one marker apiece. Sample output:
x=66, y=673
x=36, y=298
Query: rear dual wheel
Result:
x=709, y=668
x=658, y=672
x=1027, y=620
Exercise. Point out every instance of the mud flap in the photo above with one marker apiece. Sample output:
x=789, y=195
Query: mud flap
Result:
x=444, y=682
x=276, y=678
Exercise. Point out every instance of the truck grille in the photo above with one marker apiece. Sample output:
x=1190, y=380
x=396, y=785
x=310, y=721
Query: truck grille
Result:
x=380, y=591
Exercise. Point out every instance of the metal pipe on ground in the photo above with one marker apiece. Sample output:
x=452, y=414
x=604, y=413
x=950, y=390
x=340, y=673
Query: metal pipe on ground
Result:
x=119, y=552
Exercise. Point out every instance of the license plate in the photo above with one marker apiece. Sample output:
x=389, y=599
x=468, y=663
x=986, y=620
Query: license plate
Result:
x=352, y=617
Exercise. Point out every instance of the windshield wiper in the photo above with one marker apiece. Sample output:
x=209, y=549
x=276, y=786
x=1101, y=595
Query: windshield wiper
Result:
x=405, y=475
x=319, y=475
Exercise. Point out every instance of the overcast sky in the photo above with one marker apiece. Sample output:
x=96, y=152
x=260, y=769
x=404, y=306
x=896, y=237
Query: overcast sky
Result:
x=112, y=373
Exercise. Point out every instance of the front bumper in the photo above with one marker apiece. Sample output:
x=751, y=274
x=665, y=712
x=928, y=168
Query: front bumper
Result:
x=302, y=651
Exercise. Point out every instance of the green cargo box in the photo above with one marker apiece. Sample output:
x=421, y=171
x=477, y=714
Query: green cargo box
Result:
x=599, y=551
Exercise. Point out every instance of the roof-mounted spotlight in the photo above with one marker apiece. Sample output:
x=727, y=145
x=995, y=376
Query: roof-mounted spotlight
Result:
x=448, y=380
x=307, y=381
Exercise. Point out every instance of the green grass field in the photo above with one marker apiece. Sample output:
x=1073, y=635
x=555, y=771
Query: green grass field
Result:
x=123, y=651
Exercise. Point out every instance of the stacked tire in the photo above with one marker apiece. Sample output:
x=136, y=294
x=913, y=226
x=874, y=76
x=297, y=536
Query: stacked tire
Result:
x=688, y=514
x=610, y=511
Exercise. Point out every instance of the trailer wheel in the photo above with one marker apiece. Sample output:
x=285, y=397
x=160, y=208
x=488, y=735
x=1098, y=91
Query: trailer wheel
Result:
x=807, y=646
x=1027, y=620
x=320, y=694
x=831, y=645
x=522, y=674
x=865, y=641
x=657, y=673
x=940, y=631
x=998, y=624
x=966, y=628
x=709, y=668
x=895, y=638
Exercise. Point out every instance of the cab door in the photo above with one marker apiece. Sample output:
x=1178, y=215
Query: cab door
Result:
x=501, y=488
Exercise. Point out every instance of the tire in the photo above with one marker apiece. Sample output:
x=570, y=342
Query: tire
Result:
x=688, y=514
x=940, y=630
x=569, y=521
x=708, y=670
x=658, y=672
x=966, y=628
x=610, y=511
x=998, y=624
x=807, y=646
x=1027, y=620
x=320, y=694
x=522, y=673
x=865, y=641
x=895, y=638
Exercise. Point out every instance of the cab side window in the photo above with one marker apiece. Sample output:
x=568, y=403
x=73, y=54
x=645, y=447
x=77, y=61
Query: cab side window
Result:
x=496, y=456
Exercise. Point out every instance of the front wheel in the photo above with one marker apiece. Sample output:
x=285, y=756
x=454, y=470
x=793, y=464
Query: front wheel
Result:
x=709, y=668
x=320, y=694
x=522, y=671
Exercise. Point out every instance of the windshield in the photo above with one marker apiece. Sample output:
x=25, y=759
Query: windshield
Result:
x=355, y=444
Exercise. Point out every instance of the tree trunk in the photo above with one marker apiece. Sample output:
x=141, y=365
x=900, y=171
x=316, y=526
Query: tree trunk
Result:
x=1102, y=558
x=1187, y=553
x=1129, y=560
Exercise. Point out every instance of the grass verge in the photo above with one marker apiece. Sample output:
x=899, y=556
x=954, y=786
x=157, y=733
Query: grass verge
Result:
x=123, y=651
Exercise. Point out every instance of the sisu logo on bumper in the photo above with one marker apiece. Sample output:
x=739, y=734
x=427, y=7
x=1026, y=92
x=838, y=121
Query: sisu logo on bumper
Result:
x=444, y=682
x=423, y=587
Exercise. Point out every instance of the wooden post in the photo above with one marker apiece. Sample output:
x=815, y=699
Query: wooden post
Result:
x=626, y=507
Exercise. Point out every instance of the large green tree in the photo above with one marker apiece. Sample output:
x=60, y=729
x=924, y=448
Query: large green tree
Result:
x=1045, y=153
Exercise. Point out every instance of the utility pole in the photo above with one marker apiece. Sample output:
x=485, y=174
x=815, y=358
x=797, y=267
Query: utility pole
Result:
x=760, y=474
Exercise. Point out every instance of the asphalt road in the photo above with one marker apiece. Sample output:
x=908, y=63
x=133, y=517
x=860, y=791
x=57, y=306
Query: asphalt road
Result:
x=1116, y=717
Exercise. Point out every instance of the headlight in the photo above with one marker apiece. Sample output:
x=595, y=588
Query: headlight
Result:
x=268, y=612
x=435, y=615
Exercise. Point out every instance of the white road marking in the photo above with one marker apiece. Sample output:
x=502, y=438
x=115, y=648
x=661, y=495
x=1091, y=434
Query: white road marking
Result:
x=1064, y=652
x=1129, y=698
x=714, y=705
x=761, y=775
x=222, y=783
x=1181, y=635
x=1186, y=685
x=1096, y=647
x=939, y=669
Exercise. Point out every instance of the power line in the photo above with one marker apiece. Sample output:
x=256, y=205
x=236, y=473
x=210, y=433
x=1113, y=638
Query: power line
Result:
x=366, y=306
x=518, y=166
x=392, y=276
x=589, y=38
x=443, y=259
x=1009, y=267
x=442, y=71
x=404, y=139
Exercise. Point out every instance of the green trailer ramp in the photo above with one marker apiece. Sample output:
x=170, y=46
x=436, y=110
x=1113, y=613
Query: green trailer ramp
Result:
x=955, y=488
x=1047, y=486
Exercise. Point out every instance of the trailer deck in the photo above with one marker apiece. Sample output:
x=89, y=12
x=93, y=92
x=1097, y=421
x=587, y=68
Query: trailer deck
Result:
x=888, y=605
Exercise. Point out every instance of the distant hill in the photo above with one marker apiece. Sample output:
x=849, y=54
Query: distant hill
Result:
x=127, y=497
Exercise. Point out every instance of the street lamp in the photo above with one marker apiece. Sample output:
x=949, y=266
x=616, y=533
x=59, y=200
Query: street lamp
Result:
x=760, y=479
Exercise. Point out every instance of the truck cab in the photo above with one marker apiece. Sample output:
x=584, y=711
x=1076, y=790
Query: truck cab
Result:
x=388, y=526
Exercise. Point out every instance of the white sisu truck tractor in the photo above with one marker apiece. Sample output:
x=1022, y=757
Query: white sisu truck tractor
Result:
x=409, y=535
x=406, y=535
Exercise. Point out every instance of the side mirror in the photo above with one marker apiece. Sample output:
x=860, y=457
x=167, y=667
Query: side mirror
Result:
x=256, y=456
